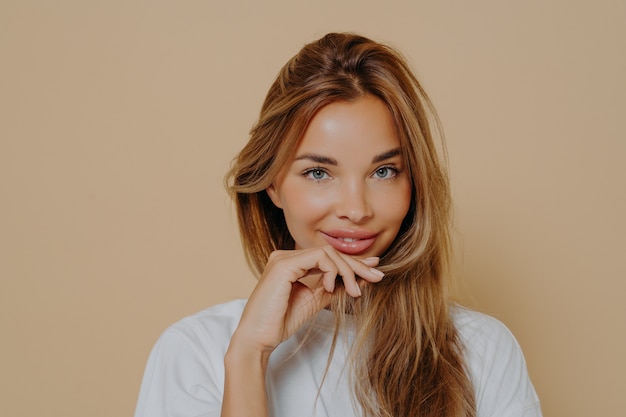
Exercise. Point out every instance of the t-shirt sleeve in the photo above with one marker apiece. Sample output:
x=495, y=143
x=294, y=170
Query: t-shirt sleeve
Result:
x=498, y=370
x=181, y=379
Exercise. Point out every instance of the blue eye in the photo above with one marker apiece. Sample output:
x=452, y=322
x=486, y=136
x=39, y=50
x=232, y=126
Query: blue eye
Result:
x=385, y=172
x=316, y=174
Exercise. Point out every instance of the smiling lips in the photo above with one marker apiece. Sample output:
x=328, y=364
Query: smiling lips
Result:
x=350, y=242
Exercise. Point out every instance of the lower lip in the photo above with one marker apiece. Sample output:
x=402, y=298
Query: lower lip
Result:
x=356, y=247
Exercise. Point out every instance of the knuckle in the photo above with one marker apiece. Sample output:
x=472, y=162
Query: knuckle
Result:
x=328, y=249
x=275, y=254
x=324, y=249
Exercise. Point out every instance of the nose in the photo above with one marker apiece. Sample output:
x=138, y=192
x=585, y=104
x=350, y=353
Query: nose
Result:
x=353, y=202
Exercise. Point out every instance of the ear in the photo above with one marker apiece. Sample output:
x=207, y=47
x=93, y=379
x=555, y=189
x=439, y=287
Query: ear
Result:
x=271, y=191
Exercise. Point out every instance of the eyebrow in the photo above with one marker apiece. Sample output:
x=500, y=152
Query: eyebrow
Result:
x=320, y=159
x=386, y=155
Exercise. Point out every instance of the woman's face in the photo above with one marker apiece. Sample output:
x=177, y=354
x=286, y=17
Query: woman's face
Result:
x=346, y=185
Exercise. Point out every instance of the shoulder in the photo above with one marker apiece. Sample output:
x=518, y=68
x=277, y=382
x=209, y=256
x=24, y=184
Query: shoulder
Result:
x=496, y=366
x=489, y=346
x=218, y=321
x=184, y=374
x=481, y=331
x=203, y=335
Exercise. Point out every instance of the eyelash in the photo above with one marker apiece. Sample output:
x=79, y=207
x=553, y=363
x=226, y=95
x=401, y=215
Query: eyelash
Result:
x=394, y=171
x=308, y=173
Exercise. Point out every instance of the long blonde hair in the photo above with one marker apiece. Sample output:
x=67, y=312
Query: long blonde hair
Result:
x=406, y=359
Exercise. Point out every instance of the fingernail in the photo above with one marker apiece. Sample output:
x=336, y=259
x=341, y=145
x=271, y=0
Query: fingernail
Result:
x=377, y=272
x=371, y=260
x=358, y=290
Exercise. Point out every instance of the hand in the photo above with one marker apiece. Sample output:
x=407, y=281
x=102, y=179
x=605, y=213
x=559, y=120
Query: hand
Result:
x=280, y=304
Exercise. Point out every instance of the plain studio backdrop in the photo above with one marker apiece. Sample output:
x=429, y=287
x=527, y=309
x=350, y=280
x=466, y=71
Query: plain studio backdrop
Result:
x=118, y=120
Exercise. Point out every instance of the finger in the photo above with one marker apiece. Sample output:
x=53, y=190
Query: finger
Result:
x=364, y=268
x=349, y=268
x=371, y=261
x=330, y=267
x=331, y=264
x=297, y=264
x=313, y=262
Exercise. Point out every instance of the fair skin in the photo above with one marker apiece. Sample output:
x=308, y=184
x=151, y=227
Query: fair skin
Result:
x=344, y=195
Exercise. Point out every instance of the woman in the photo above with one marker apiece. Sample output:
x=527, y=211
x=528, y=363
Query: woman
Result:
x=343, y=207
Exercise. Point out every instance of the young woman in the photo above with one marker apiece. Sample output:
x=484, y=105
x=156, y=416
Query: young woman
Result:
x=343, y=206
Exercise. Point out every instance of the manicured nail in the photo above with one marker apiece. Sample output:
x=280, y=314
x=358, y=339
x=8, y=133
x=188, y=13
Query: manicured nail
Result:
x=371, y=261
x=358, y=290
x=377, y=272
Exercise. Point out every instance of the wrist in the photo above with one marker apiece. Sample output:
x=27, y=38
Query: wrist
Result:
x=245, y=392
x=245, y=353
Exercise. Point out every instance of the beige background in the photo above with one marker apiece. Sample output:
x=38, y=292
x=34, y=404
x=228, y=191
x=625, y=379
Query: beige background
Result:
x=119, y=119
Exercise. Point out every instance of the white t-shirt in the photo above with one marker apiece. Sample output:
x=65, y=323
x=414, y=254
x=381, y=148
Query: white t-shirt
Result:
x=184, y=376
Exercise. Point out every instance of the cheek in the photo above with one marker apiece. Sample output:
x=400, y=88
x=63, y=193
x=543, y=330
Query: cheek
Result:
x=396, y=206
x=398, y=213
x=301, y=204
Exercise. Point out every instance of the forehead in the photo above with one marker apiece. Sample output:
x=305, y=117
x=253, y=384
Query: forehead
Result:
x=363, y=124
